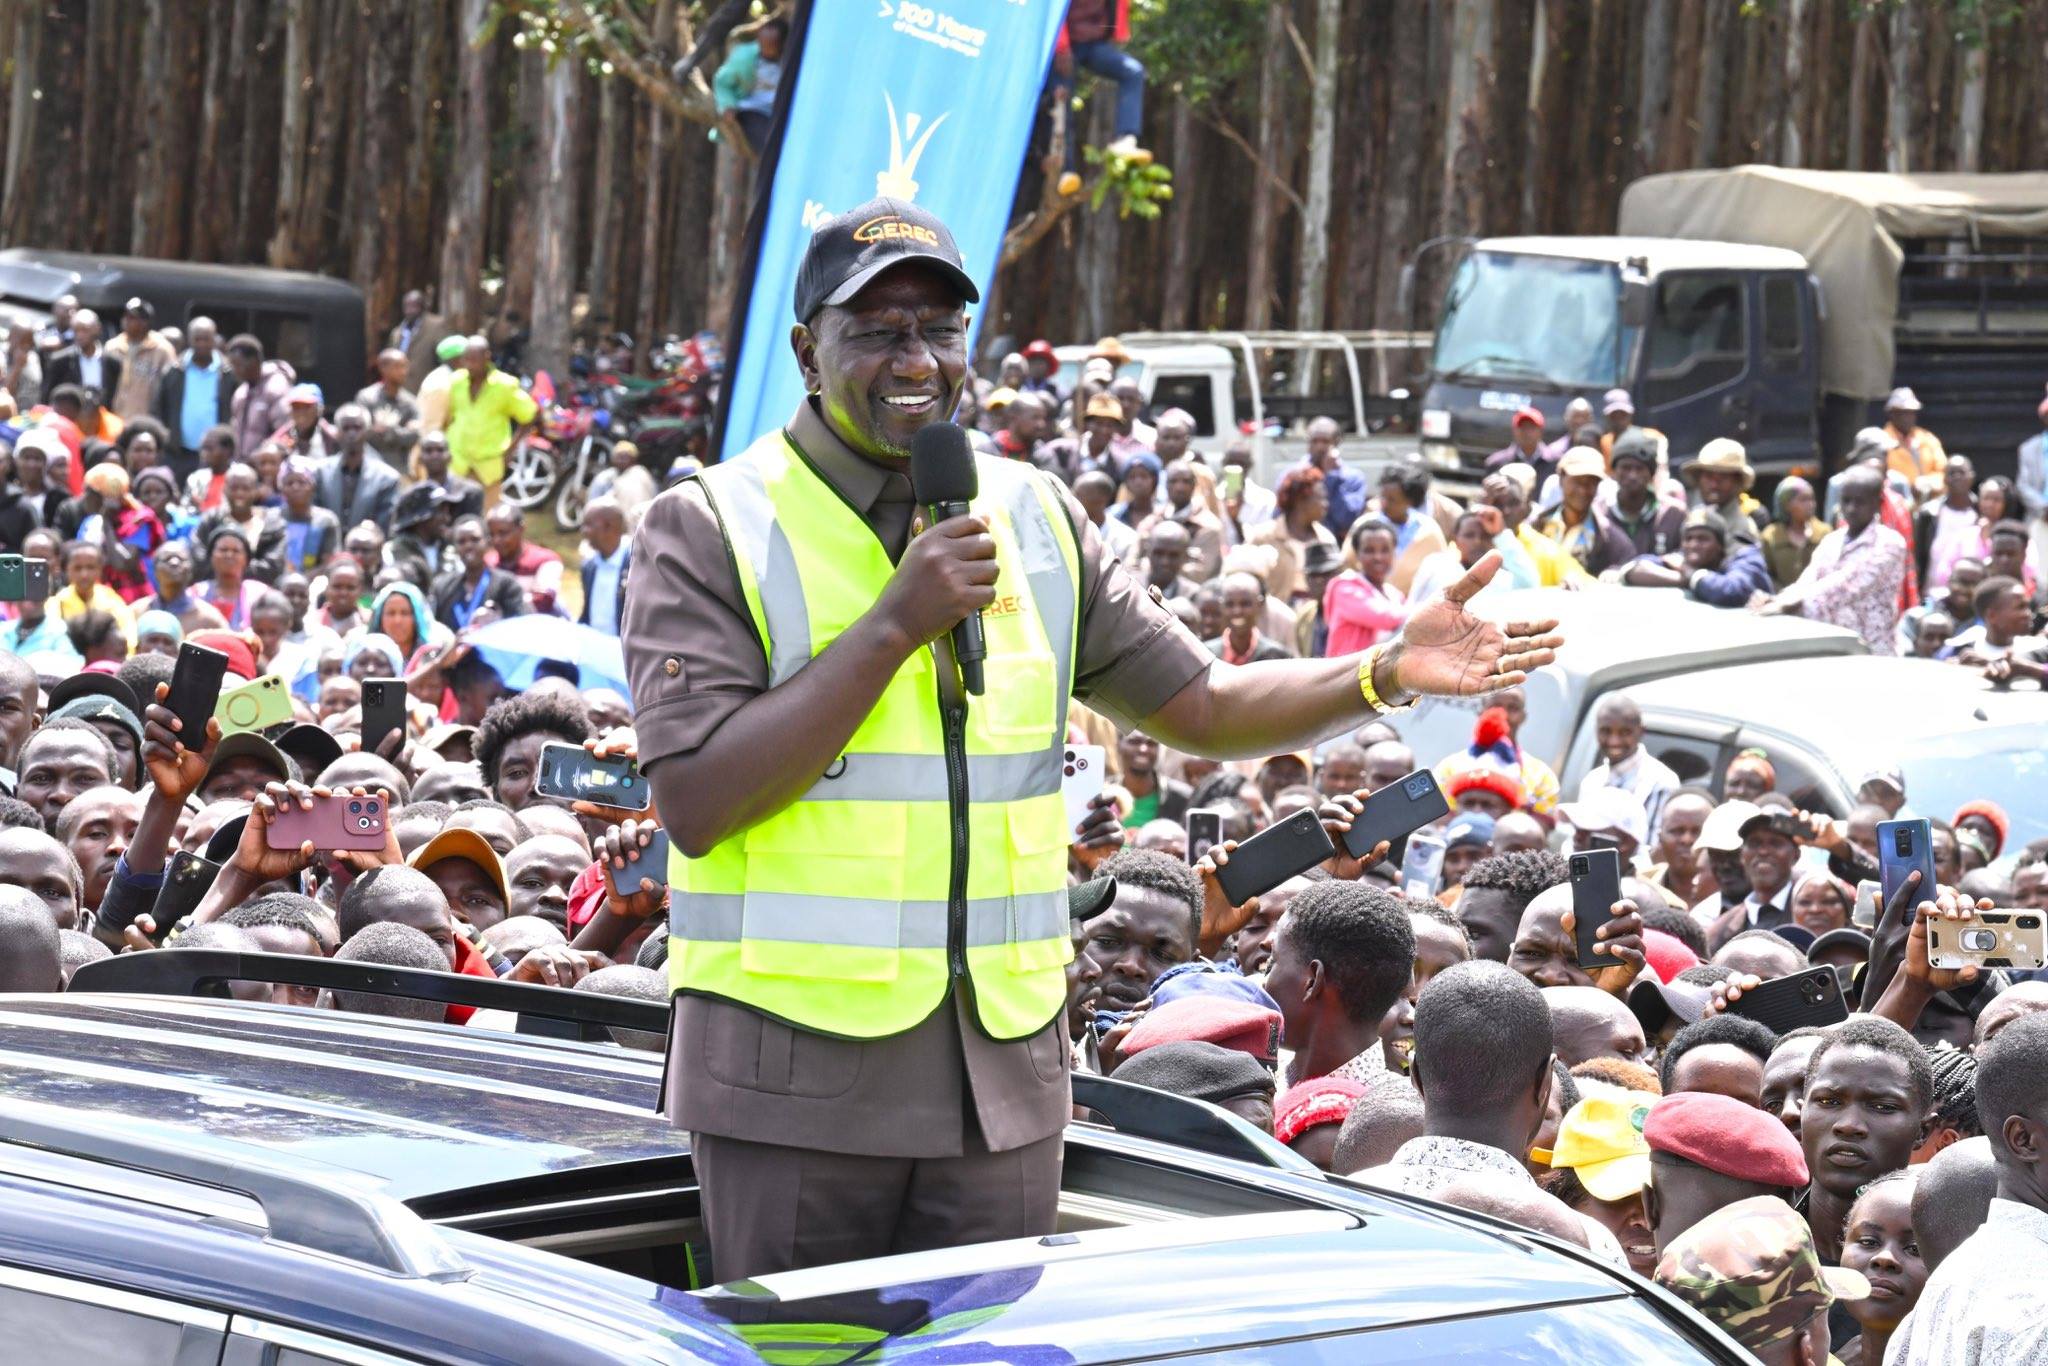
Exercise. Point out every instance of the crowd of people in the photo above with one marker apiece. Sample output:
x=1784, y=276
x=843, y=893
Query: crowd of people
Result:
x=1879, y=1183
x=176, y=485
x=1915, y=553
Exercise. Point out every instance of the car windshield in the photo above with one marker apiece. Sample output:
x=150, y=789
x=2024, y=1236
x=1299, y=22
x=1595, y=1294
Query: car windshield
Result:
x=1516, y=319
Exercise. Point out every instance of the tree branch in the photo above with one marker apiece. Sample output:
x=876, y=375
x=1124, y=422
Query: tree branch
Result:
x=692, y=103
x=1286, y=190
x=1308, y=63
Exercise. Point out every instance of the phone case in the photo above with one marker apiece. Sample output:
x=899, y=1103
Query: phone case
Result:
x=1812, y=997
x=1395, y=812
x=1989, y=939
x=1422, y=868
x=36, y=581
x=383, y=710
x=575, y=774
x=1903, y=846
x=649, y=862
x=195, y=691
x=187, y=879
x=1274, y=855
x=254, y=706
x=13, y=578
x=1596, y=886
x=340, y=821
x=1205, y=831
x=1082, y=773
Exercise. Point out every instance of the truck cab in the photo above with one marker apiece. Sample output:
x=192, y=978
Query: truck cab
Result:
x=1709, y=339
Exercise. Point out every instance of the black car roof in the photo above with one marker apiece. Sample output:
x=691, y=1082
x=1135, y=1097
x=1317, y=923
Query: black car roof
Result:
x=424, y=1109
x=34, y=276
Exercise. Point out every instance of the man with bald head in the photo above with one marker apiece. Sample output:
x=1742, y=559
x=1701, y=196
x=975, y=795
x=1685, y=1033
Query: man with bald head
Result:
x=2017, y=1000
x=1518, y=832
x=1618, y=726
x=31, y=958
x=1386, y=763
x=194, y=396
x=1167, y=546
x=393, y=410
x=1587, y=1023
x=1678, y=829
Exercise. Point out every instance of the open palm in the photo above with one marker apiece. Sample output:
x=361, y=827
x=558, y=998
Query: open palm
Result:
x=1446, y=651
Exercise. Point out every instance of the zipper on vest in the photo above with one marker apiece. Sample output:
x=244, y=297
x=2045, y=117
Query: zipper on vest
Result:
x=955, y=717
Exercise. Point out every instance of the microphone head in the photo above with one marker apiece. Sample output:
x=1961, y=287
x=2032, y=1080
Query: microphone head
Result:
x=942, y=465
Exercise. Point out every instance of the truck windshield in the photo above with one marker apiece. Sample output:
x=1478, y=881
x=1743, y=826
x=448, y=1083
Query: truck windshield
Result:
x=1518, y=319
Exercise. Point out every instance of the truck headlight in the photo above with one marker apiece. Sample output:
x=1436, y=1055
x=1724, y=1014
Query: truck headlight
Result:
x=1436, y=424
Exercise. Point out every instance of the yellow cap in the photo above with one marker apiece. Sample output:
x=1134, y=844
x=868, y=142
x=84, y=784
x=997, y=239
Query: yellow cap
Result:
x=1601, y=1140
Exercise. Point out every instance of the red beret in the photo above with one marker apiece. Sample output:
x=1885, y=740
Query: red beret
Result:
x=1319, y=1100
x=1234, y=1024
x=1724, y=1135
x=1668, y=956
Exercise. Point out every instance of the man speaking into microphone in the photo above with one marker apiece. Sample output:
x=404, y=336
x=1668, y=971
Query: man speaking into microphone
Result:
x=867, y=907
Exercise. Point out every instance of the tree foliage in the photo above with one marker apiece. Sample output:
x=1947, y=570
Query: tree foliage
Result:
x=1203, y=48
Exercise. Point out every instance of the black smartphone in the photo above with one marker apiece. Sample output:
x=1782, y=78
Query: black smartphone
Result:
x=35, y=581
x=1904, y=847
x=649, y=861
x=1810, y=997
x=1596, y=886
x=195, y=691
x=1205, y=831
x=187, y=879
x=573, y=773
x=383, y=710
x=1394, y=813
x=1274, y=855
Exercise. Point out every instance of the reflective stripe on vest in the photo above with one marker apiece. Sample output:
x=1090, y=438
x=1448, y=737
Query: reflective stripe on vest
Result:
x=834, y=913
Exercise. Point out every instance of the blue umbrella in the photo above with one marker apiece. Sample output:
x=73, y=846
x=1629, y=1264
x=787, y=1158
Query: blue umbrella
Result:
x=516, y=646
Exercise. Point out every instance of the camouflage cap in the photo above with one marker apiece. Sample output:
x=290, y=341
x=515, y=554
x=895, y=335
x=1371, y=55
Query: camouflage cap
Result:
x=1752, y=1270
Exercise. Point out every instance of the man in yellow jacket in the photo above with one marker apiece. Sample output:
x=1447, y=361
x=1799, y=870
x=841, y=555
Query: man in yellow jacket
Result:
x=867, y=904
x=488, y=414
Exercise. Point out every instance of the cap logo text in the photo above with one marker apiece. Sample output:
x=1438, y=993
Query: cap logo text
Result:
x=884, y=229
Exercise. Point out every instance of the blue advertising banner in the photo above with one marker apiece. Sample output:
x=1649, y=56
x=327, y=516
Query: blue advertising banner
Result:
x=929, y=102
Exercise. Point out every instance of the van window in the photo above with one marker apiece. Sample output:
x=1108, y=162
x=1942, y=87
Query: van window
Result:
x=285, y=336
x=1781, y=315
x=1697, y=339
x=1193, y=394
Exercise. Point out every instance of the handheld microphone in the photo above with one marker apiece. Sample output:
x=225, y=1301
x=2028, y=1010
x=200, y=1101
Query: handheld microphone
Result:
x=942, y=478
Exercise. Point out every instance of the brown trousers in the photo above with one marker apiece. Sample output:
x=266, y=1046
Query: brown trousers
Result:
x=769, y=1208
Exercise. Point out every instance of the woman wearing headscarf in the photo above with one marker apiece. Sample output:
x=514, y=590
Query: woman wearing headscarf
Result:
x=130, y=533
x=399, y=612
x=1789, y=541
x=372, y=655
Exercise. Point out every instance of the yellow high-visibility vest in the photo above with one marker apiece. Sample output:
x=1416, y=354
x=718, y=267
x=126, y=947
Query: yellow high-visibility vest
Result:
x=934, y=851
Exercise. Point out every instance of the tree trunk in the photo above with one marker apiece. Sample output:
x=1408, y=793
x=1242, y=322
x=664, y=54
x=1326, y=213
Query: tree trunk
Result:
x=1862, y=64
x=301, y=20
x=1792, y=146
x=1541, y=64
x=1095, y=255
x=1400, y=186
x=1181, y=218
x=462, y=233
x=378, y=261
x=24, y=131
x=1466, y=133
x=658, y=159
x=555, y=212
x=606, y=223
x=1710, y=109
x=731, y=186
x=333, y=70
x=220, y=149
x=1276, y=68
x=430, y=99
x=1653, y=100
x=1311, y=286
x=1905, y=95
x=1970, y=62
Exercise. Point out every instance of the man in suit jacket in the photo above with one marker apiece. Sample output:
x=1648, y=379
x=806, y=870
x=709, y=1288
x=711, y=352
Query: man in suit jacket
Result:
x=461, y=596
x=606, y=558
x=85, y=362
x=205, y=366
x=353, y=484
x=416, y=334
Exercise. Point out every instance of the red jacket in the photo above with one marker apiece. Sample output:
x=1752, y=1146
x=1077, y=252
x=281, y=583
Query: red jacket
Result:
x=1119, y=27
x=468, y=963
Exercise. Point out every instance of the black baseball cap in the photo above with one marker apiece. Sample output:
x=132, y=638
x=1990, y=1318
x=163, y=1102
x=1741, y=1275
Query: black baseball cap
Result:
x=849, y=251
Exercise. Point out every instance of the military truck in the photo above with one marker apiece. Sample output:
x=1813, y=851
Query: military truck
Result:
x=1773, y=305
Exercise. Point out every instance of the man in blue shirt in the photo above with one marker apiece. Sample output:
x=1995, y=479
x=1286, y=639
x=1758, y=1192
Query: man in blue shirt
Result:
x=1346, y=486
x=1706, y=566
x=604, y=565
x=194, y=397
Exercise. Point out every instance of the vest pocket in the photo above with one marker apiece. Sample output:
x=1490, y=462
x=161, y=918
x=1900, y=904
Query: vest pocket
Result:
x=824, y=896
x=1020, y=697
x=1038, y=935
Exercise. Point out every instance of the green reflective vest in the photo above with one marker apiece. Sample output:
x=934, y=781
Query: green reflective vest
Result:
x=935, y=849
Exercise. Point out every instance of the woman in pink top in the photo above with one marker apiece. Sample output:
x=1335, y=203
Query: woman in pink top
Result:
x=1360, y=608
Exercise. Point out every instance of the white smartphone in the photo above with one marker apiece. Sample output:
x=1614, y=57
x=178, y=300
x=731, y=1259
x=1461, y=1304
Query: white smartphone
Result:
x=1422, y=867
x=1989, y=939
x=1864, y=914
x=1081, y=781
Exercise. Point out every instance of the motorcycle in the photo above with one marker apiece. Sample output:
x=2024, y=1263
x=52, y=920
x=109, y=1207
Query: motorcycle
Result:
x=572, y=435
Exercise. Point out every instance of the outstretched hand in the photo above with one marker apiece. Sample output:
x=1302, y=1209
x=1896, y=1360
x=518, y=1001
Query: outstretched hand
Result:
x=1446, y=651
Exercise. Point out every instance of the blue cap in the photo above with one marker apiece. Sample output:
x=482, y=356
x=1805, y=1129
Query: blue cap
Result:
x=1207, y=979
x=1470, y=827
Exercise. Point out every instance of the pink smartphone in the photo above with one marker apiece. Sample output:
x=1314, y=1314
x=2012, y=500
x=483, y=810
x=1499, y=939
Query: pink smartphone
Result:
x=340, y=821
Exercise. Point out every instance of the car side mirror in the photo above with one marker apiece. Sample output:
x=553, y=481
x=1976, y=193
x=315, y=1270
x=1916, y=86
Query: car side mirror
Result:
x=1635, y=303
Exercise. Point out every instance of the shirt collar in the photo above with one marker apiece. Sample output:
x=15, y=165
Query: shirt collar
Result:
x=1458, y=1154
x=2021, y=1218
x=859, y=480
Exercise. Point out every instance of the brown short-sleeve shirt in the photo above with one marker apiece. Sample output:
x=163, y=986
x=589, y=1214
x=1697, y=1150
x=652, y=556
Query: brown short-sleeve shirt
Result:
x=693, y=657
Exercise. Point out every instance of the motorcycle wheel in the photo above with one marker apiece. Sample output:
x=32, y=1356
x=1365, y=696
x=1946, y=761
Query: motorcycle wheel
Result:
x=530, y=475
x=593, y=455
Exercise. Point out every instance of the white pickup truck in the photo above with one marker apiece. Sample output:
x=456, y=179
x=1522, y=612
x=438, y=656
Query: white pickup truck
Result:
x=1267, y=386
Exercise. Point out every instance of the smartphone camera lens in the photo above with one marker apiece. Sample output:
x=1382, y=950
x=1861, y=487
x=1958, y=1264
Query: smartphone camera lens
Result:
x=1903, y=842
x=1980, y=941
x=362, y=822
x=354, y=808
x=2029, y=922
x=1580, y=867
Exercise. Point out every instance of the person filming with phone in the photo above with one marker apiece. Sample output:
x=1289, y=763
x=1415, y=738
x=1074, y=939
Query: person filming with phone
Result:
x=869, y=924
